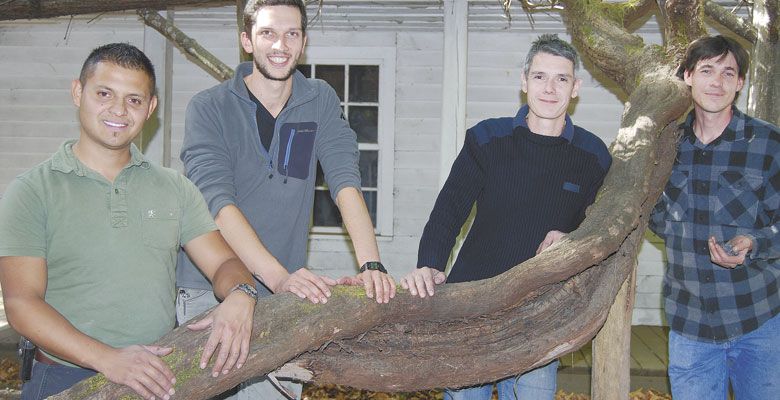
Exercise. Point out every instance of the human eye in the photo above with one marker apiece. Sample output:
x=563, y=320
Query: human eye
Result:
x=537, y=76
x=135, y=101
x=103, y=93
x=293, y=34
x=563, y=79
x=267, y=34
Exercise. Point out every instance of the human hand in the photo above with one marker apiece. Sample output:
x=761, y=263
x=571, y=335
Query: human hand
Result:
x=549, y=240
x=421, y=281
x=307, y=285
x=231, y=329
x=378, y=285
x=141, y=369
x=740, y=245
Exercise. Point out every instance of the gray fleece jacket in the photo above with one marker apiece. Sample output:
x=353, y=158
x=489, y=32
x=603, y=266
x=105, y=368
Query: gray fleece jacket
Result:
x=274, y=189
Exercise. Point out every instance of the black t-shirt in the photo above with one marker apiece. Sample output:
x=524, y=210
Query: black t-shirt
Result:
x=265, y=122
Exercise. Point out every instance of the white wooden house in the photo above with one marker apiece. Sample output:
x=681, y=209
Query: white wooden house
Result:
x=400, y=59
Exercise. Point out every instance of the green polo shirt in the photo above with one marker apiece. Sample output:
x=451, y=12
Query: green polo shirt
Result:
x=110, y=248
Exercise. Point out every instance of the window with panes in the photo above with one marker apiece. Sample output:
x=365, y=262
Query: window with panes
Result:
x=358, y=86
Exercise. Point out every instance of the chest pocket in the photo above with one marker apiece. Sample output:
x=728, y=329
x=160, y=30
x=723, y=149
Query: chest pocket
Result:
x=160, y=227
x=738, y=199
x=676, y=196
x=296, y=144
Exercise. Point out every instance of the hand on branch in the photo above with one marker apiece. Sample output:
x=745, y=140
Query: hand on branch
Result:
x=307, y=285
x=378, y=285
x=231, y=329
x=141, y=369
x=421, y=281
x=551, y=238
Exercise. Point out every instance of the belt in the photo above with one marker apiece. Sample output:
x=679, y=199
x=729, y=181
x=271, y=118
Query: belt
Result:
x=42, y=358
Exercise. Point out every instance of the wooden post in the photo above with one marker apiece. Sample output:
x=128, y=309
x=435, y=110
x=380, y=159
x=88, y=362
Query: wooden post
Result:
x=611, y=374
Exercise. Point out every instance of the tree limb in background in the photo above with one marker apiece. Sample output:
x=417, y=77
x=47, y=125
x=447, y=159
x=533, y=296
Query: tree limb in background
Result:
x=30, y=9
x=191, y=49
x=730, y=20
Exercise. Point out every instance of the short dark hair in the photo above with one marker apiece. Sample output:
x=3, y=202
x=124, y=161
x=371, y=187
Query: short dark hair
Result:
x=710, y=47
x=253, y=6
x=124, y=55
x=550, y=43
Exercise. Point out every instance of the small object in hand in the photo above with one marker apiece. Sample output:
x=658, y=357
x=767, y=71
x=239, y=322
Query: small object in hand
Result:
x=730, y=249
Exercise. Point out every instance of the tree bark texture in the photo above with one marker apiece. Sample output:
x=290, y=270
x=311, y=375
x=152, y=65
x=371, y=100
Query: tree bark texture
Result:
x=611, y=375
x=765, y=57
x=31, y=9
x=191, y=49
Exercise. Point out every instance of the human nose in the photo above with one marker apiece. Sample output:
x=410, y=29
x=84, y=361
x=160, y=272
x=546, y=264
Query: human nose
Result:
x=549, y=85
x=280, y=43
x=118, y=108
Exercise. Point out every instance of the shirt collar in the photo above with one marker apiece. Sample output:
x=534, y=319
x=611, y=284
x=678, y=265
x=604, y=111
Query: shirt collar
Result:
x=65, y=161
x=733, y=132
x=521, y=120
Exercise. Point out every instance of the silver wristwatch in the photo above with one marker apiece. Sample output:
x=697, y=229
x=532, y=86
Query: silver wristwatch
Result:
x=246, y=288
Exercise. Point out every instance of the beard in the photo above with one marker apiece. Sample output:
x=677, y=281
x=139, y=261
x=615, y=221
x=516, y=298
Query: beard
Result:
x=267, y=74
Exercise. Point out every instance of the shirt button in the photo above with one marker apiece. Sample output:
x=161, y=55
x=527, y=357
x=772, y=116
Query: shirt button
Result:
x=116, y=191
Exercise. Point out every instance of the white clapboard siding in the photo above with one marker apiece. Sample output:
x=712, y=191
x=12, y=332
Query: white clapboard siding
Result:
x=38, y=61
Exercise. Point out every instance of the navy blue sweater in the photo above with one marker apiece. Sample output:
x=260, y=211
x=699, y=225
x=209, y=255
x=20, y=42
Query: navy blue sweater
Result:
x=524, y=184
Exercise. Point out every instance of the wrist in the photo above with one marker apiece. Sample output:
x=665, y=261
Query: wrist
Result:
x=245, y=289
x=373, y=266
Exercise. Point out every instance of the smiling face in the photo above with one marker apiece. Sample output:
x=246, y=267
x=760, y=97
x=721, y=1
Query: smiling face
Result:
x=114, y=103
x=276, y=41
x=550, y=85
x=714, y=83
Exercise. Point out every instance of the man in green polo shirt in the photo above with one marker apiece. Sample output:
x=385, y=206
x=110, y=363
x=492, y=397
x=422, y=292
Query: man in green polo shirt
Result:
x=88, y=245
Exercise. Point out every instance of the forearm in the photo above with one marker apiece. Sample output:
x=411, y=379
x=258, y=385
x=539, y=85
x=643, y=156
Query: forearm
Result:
x=241, y=237
x=358, y=223
x=36, y=320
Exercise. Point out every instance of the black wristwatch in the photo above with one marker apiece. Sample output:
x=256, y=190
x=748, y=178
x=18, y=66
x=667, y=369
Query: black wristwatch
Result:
x=373, y=266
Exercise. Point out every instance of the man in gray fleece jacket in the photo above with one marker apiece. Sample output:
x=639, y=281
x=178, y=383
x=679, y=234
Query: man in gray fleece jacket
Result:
x=251, y=146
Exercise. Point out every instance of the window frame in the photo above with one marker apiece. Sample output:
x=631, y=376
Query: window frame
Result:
x=384, y=58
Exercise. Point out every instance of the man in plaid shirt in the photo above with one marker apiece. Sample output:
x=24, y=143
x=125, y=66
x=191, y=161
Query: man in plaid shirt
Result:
x=719, y=216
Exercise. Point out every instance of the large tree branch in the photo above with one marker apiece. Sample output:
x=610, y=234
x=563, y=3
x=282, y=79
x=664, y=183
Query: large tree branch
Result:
x=194, y=51
x=730, y=20
x=30, y=9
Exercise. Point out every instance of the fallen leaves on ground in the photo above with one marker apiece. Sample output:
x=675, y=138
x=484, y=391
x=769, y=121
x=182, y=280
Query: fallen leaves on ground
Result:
x=335, y=392
x=9, y=379
x=9, y=374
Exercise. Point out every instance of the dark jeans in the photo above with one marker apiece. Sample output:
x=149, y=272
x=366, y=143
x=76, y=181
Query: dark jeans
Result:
x=48, y=380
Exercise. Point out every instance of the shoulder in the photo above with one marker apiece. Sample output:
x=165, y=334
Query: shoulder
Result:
x=490, y=129
x=213, y=94
x=592, y=144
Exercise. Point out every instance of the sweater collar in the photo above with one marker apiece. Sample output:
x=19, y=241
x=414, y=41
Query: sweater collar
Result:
x=521, y=120
x=302, y=89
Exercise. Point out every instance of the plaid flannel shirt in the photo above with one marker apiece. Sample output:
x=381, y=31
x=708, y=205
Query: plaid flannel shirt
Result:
x=726, y=188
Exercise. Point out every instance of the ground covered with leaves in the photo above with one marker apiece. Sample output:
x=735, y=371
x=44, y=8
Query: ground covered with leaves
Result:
x=334, y=392
x=10, y=385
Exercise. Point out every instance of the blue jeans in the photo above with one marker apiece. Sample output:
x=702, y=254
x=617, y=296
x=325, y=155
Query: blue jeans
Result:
x=192, y=302
x=703, y=370
x=48, y=380
x=537, y=384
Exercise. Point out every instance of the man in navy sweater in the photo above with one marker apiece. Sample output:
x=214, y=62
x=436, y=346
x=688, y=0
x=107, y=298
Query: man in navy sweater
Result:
x=532, y=177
